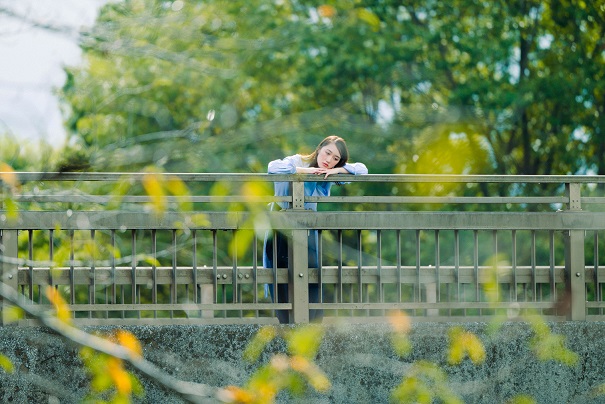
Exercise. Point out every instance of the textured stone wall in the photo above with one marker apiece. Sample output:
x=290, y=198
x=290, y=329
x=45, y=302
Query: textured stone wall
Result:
x=358, y=359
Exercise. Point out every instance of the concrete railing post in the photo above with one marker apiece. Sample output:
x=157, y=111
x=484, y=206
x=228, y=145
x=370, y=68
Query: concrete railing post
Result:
x=298, y=262
x=8, y=267
x=575, y=283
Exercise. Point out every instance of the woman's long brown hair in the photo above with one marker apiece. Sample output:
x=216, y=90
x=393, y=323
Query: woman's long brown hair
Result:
x=341, y=145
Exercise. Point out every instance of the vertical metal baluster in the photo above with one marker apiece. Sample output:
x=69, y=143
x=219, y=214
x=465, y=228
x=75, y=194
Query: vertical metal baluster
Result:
x=215, y=265
x=533, y=264
x=340, y=298
x=398, y=246
x=255, y=273
x=525, y=286
x=154, y=271
x=122, y=313
x=72, y=283
x=514, y=265
x=114, y=298
x=30, y=256
x=379, y=256
x=438, y=266
x=398, y=258
x=106, y=289
x=553, y=288
x=597, y=287
x=496, y=265
x=173, y=286
x=275, y=293
x=417, y=285
x=223, y=290
x=51, y=252
x=236, y=293
x=16, y=269
x=476, y=266
x=223, y=284
x=539, y=285
x=122, y=292
x=188, y=291
x=133, y=276
x=351, y=297
x=122, y=300
x=196, y=297
x=335, y=295
x=457, y=264
x=360, y=284
x=320, y=282
x=93, y=276
x=224, y=300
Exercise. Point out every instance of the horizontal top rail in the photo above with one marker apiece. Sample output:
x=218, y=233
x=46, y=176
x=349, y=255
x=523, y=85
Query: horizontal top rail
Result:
x=24, y=177
x=289, y=219
x=339, y=199
x=65, y=188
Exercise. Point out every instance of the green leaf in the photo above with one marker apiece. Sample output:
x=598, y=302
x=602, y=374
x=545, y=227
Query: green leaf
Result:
x=6, y=364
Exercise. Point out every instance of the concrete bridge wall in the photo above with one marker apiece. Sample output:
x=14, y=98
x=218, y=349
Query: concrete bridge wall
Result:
x=358, y=359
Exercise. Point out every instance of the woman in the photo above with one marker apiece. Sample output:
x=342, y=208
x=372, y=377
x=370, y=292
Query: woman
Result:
x=330, y=157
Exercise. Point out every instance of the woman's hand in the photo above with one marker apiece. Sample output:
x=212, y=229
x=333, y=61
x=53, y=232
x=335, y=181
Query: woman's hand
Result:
x=321, y=171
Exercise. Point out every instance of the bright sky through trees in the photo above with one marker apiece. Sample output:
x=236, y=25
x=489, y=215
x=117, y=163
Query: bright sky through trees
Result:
x=37, y=38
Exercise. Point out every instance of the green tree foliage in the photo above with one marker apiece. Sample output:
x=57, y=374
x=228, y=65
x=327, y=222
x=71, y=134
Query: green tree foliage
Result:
x=458, y=87
x=24, y=155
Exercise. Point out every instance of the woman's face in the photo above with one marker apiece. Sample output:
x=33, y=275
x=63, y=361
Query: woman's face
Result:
x=328, y=156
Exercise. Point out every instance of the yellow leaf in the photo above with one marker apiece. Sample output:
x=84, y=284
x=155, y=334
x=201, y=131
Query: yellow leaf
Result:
x=220, y=189
x=369, y=18
x=12, y=314
x=464, y=343
x=326, y=11
x=241, y=244
x=129, y=341
x=120, y=377
x=178, y=188
x=121, y=188
x=254, y=189
x=238, y=395
x=152, y=261
x=63, y=312
x=401, y=344
x=317, y=379
x=153, y=187
x=98, y=364
x=299, y=364
x=521, y=399
x=200, y=220
x=304, y=341
x=400, y=322
x=11, y=208
x=258, y=343
x=7, y=175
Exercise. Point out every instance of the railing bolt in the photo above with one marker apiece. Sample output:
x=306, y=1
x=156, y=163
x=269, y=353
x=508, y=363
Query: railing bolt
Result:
x=300, y=275
x=240, y=276
x=218, y=277
x=246, y=276
x=577, y=274
x=224, y=276
x=10, y=277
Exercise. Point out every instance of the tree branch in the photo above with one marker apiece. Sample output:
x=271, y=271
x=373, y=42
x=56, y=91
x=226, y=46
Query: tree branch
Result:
x=192, y=392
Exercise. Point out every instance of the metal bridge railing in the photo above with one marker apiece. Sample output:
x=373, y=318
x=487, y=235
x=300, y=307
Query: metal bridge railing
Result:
x=418, y=245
